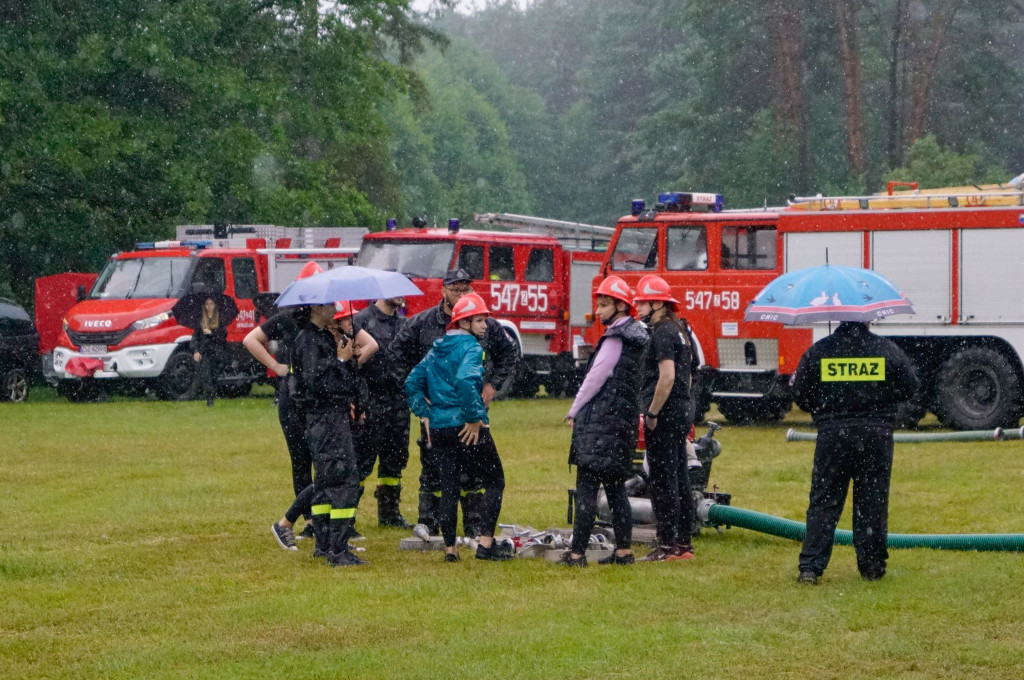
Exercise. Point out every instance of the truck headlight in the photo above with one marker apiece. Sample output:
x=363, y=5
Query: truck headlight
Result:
x=151, y=321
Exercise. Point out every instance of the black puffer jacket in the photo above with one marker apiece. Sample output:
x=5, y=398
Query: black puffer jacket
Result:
x=604, y=437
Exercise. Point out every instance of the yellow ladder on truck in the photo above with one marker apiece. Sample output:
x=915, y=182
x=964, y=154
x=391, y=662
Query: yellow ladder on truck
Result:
x=983, y=196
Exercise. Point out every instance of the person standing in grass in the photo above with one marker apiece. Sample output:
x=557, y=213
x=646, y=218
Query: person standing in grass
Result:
x=444, y=390
x=209, y=347
x=604, y=417
x=851, y=382
x=327, y=386
x=668, y=418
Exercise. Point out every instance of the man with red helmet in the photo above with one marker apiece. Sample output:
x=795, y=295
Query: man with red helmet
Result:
x=444, y=390
x=604, y=416
x=667, y=419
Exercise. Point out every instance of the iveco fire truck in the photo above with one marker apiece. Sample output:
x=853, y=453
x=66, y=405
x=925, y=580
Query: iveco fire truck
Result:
x=123, y=332
x=955, y=253
x=536, y=280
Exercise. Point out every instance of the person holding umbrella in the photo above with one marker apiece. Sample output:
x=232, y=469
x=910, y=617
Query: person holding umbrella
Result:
x=209, y=348
x=444, y=390
x=604, y=417
x=668, y=418
x=851, y=382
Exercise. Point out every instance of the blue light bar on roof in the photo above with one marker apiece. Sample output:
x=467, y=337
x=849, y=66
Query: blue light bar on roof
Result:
x=680, y=201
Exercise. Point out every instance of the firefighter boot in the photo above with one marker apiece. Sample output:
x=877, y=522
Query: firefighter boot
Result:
x=428, y=511
x=472, y=512
x=341, y=555
x=321, y=535
x=389, y=514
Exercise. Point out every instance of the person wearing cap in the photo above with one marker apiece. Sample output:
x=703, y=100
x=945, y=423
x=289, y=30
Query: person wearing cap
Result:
x=410, y=346
x=855, y=412
x=281, y=329
x=667, y=418
x=444, y=390
x=324, y=360
x=385, y=433
x=604, y=417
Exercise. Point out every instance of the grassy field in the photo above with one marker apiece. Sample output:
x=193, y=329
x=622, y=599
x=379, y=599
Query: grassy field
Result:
x=136, y=544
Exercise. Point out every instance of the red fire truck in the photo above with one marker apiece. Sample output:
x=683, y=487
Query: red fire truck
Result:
x=123, y=328
x=955, y=253
x=536, y=280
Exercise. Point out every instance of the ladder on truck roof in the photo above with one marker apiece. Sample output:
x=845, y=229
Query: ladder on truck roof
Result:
x=983, y=196
x=572, y=235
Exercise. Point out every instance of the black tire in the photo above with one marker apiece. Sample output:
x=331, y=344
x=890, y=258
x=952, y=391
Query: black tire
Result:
x=179, y=379
x=753, y=411
x=15, y=386
x=978, y=388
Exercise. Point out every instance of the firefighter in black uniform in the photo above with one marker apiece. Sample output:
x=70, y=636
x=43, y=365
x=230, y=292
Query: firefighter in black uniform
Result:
x=851, y=383
x=385, y=432
x=409, y=347
x=326, y=386
x=604, y=416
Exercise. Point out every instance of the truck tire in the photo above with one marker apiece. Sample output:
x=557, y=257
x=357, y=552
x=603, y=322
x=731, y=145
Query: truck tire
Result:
x=178, y=381
x=978, y=388
x=15, y=386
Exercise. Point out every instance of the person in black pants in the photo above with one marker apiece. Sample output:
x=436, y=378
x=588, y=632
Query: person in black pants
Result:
x=667, y=420
x=410, y=346
x=385, y=433
x=327, y=387
x=444, y=391
x=209, y=348
x=851, y=382
x=604, y=417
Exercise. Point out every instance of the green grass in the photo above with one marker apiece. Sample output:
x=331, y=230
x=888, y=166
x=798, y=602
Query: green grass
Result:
x=136, y=544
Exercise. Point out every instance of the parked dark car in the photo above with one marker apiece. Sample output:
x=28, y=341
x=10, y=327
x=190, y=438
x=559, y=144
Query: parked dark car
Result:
x=19, y=351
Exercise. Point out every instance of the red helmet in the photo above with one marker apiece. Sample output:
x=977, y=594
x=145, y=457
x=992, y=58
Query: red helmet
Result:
x=469, y=305
x=614, y=287
x=653, y=288
x=310, y=269
x=342, y=308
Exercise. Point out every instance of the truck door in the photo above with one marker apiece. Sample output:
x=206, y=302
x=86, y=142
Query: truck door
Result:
x=687, y=271
x=746, y=263
x=246, y=287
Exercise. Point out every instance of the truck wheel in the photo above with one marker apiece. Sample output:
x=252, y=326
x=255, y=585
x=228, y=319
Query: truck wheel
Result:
x=977, y=389
x=15, y=386
x=178, y=379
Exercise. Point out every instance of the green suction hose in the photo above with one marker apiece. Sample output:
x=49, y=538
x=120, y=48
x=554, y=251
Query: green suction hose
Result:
x=995, y=435
x=787, y=528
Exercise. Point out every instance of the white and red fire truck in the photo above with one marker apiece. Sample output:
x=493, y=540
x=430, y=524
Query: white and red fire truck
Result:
x=123, y=326
x=954, y=252
x=536, y=280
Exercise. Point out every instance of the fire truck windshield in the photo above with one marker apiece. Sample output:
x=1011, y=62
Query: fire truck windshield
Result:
x=141, y=277
x=419, y=259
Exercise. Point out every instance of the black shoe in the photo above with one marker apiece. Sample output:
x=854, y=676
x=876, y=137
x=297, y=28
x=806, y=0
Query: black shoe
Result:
x=659, y=554
x=808, y=577
x=307, y=532
x=451, y=557
x=568, y=560
x=872, y=575
x=345, y=559
x=284, y=535
x=354, y=535
x=393, y=522
x=319, y=554
x=615, y=558
x=495, y=553
x=209, y=402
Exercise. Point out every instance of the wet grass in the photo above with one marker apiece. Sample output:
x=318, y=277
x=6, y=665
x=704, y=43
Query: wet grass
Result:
x=136, y=544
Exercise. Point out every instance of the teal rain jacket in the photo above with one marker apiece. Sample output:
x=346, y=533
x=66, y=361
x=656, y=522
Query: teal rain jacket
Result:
x=451, y=377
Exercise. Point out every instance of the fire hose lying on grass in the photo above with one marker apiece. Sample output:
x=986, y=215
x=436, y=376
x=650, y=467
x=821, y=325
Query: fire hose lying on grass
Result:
x=996, y=435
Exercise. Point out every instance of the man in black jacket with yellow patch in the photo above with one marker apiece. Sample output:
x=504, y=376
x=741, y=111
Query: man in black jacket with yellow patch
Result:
x=410, y=345
x=851, y=383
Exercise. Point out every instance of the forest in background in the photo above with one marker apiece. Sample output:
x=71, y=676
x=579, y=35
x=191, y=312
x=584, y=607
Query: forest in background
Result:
x=119, y=120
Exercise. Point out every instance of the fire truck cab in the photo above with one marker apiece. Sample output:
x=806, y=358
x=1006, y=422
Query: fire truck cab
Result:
x=534, y=286
x=954, y=252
